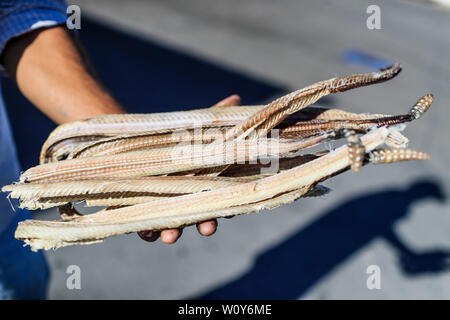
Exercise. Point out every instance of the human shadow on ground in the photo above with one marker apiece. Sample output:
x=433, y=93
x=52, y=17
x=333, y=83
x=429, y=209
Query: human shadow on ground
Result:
x=291, y=267
x=145, y=76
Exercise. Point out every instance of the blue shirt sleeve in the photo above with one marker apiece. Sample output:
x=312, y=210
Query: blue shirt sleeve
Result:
x=18, y=17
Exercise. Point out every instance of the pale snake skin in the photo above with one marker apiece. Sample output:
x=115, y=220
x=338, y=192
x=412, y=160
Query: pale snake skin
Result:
x=114, y=155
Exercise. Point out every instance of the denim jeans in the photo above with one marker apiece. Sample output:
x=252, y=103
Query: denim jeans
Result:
x=23, y=274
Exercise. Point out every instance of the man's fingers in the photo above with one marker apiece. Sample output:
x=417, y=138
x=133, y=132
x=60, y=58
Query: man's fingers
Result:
x=149, y=235
x=207, y=228
x=233, y=100
x=170, y=236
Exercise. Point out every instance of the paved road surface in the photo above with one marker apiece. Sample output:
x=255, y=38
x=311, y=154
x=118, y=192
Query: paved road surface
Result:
x=396, y=217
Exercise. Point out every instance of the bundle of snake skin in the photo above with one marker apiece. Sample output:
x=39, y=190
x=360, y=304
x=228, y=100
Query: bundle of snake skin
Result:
x=169, y=170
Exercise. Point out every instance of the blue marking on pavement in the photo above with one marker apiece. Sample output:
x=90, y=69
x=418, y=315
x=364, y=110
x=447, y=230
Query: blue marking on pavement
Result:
x=361, y=58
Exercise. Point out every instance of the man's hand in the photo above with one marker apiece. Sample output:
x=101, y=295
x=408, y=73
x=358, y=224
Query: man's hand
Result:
x=206, y=228
x=51, y=70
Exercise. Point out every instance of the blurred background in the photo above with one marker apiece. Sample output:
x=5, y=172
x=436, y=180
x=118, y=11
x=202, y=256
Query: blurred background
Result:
x=169, y=55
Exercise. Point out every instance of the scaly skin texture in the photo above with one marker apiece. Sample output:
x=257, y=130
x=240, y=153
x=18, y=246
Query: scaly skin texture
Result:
x=112, y=125
x=160, y=161
x=162, y=171
x=259, y=118
x=173, y=212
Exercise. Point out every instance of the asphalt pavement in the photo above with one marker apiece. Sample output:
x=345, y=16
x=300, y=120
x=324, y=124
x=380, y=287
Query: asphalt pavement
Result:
x=395, y=217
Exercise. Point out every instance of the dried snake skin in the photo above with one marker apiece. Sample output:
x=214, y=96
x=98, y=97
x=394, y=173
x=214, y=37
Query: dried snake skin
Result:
x=111, y=125
x=160, y=161
x=263, y=116
x=170, y=170
x=173, y=212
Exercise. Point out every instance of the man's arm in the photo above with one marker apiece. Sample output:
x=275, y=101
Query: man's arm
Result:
x=50, y=71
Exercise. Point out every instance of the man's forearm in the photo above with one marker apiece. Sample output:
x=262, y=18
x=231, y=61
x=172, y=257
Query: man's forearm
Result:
x=51, y=73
